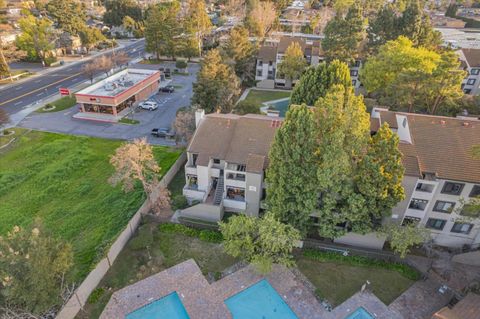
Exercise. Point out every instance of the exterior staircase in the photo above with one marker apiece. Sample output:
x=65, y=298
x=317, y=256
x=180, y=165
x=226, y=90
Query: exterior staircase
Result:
x=217, y=199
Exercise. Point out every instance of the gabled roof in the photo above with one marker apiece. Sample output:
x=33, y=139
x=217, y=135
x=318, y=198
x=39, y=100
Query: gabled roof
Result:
x=472, y=56
x=467, y=308
x=236, y=139
x=440, y=145
x=267, y=53
x=286, y=41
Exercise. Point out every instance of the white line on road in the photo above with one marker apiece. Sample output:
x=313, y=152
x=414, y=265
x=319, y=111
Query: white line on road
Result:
x=18, y=88
x=38, y=81
x=20, y=102
x=41, y=93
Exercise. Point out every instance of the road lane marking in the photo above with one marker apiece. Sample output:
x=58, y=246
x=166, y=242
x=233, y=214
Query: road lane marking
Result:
x=38, y=81
x=41, y=93
x=42, y=88
x=18, y=103
x=18, y=88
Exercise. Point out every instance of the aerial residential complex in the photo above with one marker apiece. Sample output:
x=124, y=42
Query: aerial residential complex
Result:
x=440, y=172
x=270, y=55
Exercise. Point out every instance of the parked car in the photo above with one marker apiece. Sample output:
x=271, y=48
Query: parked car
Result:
x=148, y=105
x=164, y=132
x=168, y=89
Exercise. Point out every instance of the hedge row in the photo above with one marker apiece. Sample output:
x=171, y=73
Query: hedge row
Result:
x=325, y=256
x=205, y=235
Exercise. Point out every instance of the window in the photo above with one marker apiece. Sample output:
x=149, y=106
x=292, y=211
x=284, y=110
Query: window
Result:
x=353, y=72
x=475, y=191
x=216, y=161
x=419, y=204
x=259, y=72
x=354, y=82
x=194, y=160
x=357, y=63
x=270, y=63
x=461, y=228
x=260, y=62
x=434, y=223
x=410, y=220
x=235, y=193
x=192, y=181
x=467, y=91
x=452, y=188
x=422, y=187
x=237, y=177
x=474, y=71
x=470, y=81
x=443, y=207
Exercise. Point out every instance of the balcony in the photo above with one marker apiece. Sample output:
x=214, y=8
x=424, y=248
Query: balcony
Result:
x=190, y=169
x=233, y=204
x=193, y=193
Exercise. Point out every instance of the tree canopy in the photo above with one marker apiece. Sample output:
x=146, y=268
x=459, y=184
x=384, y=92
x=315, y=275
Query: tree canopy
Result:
x=259, y=241
x=116, y=10
x=217, y=86
x=343, y=36
x=37, y=37
x=70, y=15
x=293, y=63
x=404, y=75
x=317, y=80
x=241, y=51
x=292, y=192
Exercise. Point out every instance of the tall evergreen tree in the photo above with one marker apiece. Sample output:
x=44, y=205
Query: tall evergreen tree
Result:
x=382, y=28
x=292, y=193
x=162, y=29
x=116, y=10
x=197, y=23
x=317, y=80
x=380, y=175
x=241, y=52
x=70, y=15
x=343, y=36
x=343, y=131
x=217, y=86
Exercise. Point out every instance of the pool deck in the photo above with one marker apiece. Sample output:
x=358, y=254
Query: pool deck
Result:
x=203, y=300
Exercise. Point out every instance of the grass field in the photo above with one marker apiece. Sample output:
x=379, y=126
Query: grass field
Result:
x=63, y=180
x=337, y=282
x=61, y=104
x=165, y=250
x=260, y=96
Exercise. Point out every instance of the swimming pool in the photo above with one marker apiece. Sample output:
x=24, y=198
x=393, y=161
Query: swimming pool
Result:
x=279, y=105
x=259, y=301
x=360, y=313
x=168, y=307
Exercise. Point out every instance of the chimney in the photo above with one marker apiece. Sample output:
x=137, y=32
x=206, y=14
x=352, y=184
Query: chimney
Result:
x=199, y=115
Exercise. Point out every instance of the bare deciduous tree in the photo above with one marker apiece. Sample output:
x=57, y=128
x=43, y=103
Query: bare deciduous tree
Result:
x=184, y=125
x=263, y=15
x=90, y=69
x=120, y=59
x=103, y=63
x=135, y=162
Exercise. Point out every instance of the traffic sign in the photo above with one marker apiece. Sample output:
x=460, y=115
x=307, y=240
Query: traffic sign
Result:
x=64, y=91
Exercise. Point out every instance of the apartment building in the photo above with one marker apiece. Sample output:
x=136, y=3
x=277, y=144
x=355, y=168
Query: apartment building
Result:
x=228, y=156
x=226, y=162
x=470, y=59
x=441, y=175
x=271, y=54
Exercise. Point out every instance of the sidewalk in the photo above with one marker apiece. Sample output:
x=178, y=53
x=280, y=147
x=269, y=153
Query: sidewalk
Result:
x=48, y=70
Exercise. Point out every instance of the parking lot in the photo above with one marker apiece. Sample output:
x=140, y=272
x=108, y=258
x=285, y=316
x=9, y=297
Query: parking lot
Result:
x=168, y=104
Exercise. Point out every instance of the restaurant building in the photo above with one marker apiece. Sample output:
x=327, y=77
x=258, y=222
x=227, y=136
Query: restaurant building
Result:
x=113, y=96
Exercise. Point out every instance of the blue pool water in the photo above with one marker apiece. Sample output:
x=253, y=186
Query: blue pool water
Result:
x=168, y=307
x=280, y=105
x=259, y=301
x=360, y=313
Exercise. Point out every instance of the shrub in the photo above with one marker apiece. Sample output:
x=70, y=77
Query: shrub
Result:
x=324, y=256
x=210, y=236
x=179, y=202
x=246, y=107
x=181, y=64
x=95, y=295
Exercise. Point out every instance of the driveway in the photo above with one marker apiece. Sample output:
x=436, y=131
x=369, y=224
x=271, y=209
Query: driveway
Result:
x=168, y=104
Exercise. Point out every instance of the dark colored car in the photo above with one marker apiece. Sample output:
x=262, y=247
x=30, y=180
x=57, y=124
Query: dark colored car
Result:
x=163, y=132
x=168, y=89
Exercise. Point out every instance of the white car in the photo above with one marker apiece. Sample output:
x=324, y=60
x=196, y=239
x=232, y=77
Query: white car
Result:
x=148, y=105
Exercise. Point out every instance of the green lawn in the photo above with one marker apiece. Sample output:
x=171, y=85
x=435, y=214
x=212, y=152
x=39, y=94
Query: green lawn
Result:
x=61, y=104
x=336, y=281
x=63, y=180
x=128, y=121
x=260, y=96
x=4, y=139
x=165, y=250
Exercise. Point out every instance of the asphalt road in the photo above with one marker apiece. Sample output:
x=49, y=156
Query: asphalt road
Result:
x=14, y=98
